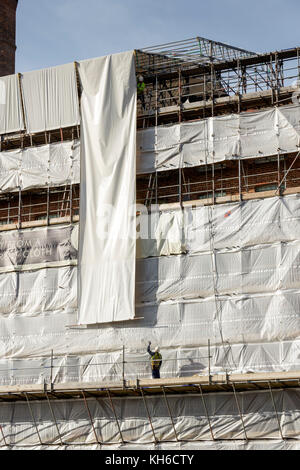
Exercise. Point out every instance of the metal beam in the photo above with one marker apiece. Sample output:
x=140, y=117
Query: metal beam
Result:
x=115, y=415
x=90, y=416
x=170, y=414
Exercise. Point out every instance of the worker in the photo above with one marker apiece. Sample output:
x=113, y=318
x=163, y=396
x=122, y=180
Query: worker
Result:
x=156, y=361
x=141, y=86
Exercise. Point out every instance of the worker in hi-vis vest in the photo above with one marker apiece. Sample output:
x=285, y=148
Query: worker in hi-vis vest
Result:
x=141, y=86
x=156, y=361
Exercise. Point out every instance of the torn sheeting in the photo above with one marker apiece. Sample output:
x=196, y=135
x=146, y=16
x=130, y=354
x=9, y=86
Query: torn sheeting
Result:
x=189, y=418
x=51, y=98
x=11, y=116
x=108, y=189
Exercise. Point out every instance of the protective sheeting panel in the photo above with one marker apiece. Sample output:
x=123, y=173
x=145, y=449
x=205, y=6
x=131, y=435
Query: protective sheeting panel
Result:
x=50, y=98
x=36, y=248
x=248, y=333
x=260, y=221
x=108, y=191
x=216, y=139
x=11, y=116
x=264, y=268
x=188, y=414
x=59, y=164
x=55, y=164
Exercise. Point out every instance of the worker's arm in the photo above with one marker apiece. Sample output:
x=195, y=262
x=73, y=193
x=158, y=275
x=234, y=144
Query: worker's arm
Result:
x=149, y=350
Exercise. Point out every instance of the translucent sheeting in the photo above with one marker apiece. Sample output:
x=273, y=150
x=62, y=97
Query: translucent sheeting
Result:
x=50, y=98
x=220, y=138
x=188, y=414
x=11, y=117
x=233, y=225
x=107, y=249
x=54, y=164
x=58, y=164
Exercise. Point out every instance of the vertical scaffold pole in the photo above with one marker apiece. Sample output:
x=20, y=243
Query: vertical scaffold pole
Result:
x=278, y=171
x=240, y=181
x=48, y=205
x=19, y=209
x=179, y=96
x=71, y=202
x=123, y=366
x=90, y=417
x=209, y=363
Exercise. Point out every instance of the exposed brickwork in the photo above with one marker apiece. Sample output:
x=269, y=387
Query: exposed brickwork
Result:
x=8, y=10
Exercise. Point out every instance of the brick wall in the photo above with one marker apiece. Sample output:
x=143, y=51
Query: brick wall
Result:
x=7, y=36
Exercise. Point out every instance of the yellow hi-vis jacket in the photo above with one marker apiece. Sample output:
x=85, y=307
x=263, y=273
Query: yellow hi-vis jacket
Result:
x=141, y=87
x=156, y=360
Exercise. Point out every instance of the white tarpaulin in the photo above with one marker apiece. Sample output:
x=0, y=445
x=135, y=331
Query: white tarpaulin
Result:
x=186, y=145
x=108, y=189
x=11, y=118
x=50, y=98
x=54, y=164
x=220, y=138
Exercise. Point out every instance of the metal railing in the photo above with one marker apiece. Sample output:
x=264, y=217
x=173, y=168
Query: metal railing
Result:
x=273, y=73
x=120, y=370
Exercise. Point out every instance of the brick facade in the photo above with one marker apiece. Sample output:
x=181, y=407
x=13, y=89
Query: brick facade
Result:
x=8, y=10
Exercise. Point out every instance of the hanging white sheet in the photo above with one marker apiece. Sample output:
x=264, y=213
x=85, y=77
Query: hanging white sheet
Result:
x=50, y=98
x=11, y=117
x=107, y=203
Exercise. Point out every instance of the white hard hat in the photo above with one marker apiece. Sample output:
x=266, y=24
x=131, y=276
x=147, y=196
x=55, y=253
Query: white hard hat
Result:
x=141, y=78
x=157, y=349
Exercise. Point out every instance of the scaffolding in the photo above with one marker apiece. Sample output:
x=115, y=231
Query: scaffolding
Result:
x=164, y=389
x=185, y=81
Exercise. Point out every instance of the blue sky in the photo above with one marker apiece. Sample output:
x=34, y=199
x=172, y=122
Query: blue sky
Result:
x=53, y=32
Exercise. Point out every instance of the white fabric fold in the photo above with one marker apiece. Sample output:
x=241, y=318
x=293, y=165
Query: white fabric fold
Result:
x=108, y=179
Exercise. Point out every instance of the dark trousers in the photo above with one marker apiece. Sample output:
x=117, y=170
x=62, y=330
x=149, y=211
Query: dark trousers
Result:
x=155, y=374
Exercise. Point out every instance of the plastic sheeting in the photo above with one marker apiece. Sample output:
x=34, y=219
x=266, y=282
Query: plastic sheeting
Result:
x=48, y=165
x=220, y=138
x=253, y=323
x=50, y=98
x=36, y=248
x=59, y=163
x=11, y=117
x=107, y=249
x=188, y=415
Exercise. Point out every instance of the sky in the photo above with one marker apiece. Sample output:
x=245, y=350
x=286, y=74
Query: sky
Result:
x=54, y=32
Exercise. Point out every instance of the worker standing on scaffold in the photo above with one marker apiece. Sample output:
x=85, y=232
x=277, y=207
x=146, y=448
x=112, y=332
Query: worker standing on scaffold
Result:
x=141, y=86
x=156, y=361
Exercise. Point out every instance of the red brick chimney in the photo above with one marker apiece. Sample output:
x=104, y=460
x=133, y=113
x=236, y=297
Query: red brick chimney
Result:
x=8, y=9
